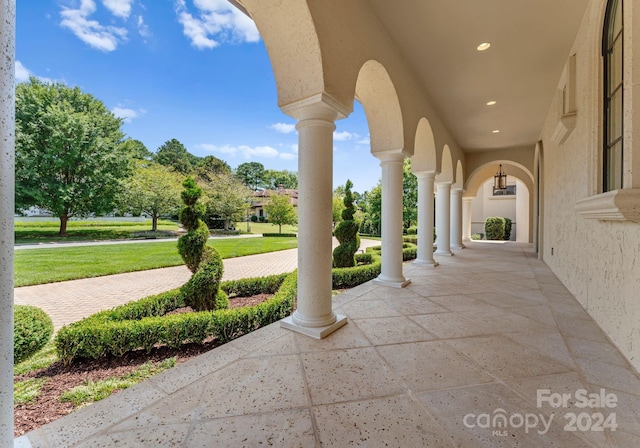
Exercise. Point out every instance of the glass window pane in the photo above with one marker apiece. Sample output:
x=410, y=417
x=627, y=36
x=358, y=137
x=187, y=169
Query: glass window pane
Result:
x=615, y=117
x=616, y=25
x=615, y=64
x=614, y=167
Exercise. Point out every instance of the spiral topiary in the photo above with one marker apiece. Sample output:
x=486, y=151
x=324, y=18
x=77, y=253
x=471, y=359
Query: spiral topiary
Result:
x=202, y=291
x=347, y=233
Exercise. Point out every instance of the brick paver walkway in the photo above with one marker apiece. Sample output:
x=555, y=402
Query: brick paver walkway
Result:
x=67, y=302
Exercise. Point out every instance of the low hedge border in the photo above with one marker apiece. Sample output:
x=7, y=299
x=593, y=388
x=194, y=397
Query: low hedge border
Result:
x=143, y=324
x=287, y=235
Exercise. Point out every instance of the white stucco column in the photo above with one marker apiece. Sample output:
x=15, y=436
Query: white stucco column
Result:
x=425, y=219
x=443, y=218
x=7, y=191
x=391, y=275
x=466, y=219
x=456, y=219
x=314, y=315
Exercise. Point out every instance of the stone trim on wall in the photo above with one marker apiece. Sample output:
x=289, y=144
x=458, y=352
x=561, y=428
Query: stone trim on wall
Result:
x=617, y=205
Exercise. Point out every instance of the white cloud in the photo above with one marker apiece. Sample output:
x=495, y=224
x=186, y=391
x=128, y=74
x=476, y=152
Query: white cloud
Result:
x=288, y=156
x=344, y=136
x=364, y=141
x=143, y=29
x=120, y=8
x=248, y=152
x=22, y=74
x=127, y=114
x=91, y=32
x=215, y=22
x=283, y=128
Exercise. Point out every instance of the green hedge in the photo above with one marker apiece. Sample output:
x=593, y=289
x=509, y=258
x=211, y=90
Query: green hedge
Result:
x=410, y=239
x=287, y=235
x=364, y=258
x=494, y=228
x=32, y=329
x=142, y=324
x=507, y=228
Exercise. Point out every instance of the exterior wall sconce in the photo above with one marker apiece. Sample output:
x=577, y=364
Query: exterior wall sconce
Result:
x=500, y=180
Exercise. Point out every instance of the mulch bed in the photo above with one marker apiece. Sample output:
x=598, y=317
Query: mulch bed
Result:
x=47, y=407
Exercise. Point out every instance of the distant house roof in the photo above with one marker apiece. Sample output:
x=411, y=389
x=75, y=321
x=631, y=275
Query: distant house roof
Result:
x=262, y=196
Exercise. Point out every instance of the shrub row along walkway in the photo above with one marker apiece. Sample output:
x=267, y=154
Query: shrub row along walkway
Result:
x=70, y=301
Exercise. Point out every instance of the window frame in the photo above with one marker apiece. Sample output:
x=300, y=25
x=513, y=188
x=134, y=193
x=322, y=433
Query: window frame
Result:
x=608, y=46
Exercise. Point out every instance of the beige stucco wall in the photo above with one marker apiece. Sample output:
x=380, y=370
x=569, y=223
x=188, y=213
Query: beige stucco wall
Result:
x=598, y=261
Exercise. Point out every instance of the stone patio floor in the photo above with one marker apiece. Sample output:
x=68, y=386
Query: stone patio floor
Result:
x=472, y=353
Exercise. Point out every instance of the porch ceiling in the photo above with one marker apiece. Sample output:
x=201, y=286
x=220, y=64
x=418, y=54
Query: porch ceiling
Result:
x=530, y=43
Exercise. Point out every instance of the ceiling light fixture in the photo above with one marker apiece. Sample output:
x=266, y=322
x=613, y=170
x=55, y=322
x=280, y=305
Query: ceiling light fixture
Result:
x=491, y=103
x=496, y=131
x=483, y=46
x=500, y=180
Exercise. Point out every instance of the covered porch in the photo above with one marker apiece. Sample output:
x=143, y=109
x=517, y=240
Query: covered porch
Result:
x=474, y=353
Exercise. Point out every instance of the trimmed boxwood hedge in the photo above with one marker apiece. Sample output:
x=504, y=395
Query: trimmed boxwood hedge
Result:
x=288, y=235
x=143, y=324
x=32, y=329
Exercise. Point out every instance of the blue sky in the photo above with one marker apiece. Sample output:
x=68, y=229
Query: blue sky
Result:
x=194, y=70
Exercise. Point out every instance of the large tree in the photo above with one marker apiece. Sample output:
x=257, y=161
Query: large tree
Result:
x=153, y=189
x=280, y=211
x=274, y=179
x=136, y=149
x=210, y=166
x=251, y=174
x=174, y=154
x=69, y=160
x=226, y=198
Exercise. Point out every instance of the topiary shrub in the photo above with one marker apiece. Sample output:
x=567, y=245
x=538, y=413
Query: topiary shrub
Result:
x=494, y=228
x=254, y=218
x=32, y=329
x=507, y=228
x=201, y=292
x=347, y=233
x=413, y=230
x=477, y=236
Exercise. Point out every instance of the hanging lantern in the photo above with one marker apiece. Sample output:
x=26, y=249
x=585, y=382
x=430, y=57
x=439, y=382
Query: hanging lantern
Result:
x=500, y=180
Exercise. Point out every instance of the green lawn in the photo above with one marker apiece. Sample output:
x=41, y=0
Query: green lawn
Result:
x=265, y=227
x=37, y=266
x=46, y=230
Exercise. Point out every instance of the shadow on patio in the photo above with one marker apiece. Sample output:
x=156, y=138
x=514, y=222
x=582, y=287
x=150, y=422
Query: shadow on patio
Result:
x=472, y=353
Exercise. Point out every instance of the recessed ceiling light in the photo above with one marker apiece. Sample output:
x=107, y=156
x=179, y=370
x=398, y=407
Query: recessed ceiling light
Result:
x=484, y=46
x=491, y=103
x=496, y=131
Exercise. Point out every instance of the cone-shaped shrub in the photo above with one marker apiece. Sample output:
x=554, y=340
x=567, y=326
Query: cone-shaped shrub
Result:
x=202, y=291
x=347, y=233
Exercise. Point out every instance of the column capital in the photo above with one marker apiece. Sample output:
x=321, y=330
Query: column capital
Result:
x=457, y=191
x=391, y=156
x=321, y=106
x=445, y=184
x=467, y=198
x=428, y=175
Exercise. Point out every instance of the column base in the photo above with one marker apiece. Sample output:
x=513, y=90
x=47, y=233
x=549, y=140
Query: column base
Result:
x=426, y=263
x=314, y=332
x=447, y=253
x=395, y=282
x=460, y=247
x=22, y=442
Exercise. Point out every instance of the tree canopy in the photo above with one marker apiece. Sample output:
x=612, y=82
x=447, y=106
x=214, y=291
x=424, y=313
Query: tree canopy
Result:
x=274, y=179
x=280, y=211
x=153, y=189
x=174, y=154
x=226, y=198
x=69, y=159
x=409, y=195
x=251, y=174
